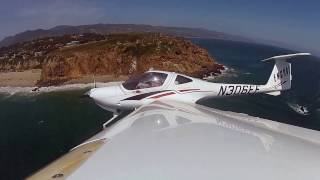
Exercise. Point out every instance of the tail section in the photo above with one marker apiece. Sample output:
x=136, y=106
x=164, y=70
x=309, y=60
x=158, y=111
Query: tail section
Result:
x=280, y=78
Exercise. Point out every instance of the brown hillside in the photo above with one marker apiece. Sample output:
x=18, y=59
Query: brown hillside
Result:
x=126, y=54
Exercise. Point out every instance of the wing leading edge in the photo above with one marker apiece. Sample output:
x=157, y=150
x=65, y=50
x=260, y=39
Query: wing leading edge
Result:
x=180, y=141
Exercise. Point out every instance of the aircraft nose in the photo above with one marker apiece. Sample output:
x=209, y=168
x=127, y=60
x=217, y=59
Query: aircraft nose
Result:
x=104, y=92
x=97, y=94
x=107, y=97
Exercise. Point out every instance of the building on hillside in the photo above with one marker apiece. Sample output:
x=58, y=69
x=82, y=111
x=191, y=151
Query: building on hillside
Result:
x=72, y=43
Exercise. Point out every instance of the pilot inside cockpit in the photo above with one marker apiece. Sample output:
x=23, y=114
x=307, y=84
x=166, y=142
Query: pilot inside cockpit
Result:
x=146, y=80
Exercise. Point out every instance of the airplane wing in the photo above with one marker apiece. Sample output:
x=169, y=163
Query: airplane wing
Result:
x=171, y=140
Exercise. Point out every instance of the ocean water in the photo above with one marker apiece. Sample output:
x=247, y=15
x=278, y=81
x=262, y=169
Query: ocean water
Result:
x=244, y=62
x=36, y=129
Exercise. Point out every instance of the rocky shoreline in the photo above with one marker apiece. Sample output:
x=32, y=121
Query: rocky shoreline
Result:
x=73, y=85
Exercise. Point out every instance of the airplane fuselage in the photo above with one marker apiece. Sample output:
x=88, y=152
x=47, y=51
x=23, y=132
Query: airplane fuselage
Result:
x=189, y=90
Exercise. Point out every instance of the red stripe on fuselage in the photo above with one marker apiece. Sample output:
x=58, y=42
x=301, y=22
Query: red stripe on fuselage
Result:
x=161, y=95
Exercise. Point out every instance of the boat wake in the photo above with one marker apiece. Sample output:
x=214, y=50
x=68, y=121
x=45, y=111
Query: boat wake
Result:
x=300, y=109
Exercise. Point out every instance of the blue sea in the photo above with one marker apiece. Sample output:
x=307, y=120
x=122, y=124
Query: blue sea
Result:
x=244, y=62
x=36, y=129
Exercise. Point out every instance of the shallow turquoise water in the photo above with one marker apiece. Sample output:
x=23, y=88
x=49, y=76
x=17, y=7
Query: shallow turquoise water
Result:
x=35, y=130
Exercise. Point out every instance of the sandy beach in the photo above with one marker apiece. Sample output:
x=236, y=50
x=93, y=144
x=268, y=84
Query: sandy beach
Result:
x=26, y=82
x=27, y=78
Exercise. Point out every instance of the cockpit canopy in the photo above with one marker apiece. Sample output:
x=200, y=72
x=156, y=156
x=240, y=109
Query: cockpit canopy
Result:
x=146, y=80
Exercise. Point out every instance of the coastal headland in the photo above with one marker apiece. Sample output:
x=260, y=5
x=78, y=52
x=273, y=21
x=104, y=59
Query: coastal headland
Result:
x=80, y=58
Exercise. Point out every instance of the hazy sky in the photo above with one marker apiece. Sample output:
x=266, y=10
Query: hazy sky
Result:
x=292, y=22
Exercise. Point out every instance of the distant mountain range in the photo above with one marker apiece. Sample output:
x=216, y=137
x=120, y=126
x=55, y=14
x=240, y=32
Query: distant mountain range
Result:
x=118, y=28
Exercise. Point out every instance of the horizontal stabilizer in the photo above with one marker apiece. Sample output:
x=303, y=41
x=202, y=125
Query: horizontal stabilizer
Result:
x=285, y=57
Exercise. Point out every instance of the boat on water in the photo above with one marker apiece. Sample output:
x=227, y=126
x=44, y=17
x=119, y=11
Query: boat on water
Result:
x=300, y=109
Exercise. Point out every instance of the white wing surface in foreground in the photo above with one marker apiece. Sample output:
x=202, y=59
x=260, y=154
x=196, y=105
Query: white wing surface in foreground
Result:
x=187, y=141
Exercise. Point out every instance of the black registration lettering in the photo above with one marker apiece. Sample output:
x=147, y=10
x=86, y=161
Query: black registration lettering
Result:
x=237, y=90
x=250, y=89
x=231, y=89
x=257, y=89
x=244, y=90
x=222, y=90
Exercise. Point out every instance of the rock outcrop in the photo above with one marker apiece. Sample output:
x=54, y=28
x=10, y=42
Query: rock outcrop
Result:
x=126, y=54
x=71, y=57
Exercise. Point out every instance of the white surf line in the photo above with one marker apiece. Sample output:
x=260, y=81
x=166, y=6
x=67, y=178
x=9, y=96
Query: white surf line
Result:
x=68, y=87
x=222, y=73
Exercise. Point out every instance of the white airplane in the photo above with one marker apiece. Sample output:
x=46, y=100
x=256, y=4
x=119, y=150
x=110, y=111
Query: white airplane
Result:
x=169, y=86
x=169, y=136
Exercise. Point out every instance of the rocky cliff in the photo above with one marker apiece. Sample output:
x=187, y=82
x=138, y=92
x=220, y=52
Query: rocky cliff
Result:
x=30, y=54
x=71, y=57
x=126, y=54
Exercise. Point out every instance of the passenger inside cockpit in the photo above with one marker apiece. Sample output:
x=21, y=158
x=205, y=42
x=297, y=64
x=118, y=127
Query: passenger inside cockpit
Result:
x=146, y=80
